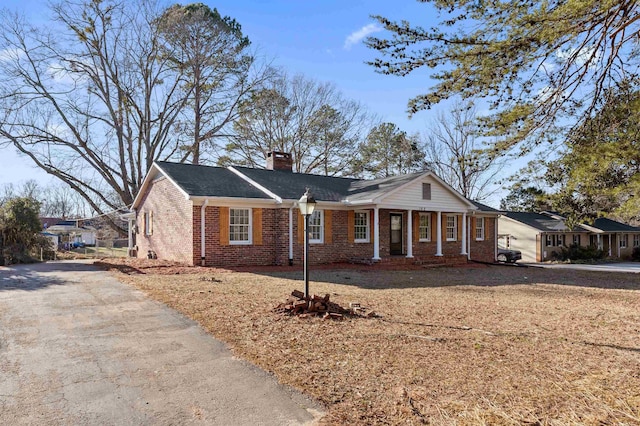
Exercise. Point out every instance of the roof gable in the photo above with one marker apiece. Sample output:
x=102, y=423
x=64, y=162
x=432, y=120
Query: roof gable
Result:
x=200, y=181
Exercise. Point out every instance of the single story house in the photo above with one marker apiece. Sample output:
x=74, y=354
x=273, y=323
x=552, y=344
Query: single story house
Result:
x=239, y=216
x=539, y=235
x=73, y=232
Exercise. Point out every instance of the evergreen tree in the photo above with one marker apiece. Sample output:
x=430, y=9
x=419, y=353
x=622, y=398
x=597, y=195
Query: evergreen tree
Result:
x=536, y=62
x=389, y=151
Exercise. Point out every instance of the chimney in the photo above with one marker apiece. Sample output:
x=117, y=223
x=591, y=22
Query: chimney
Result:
x=279, y=161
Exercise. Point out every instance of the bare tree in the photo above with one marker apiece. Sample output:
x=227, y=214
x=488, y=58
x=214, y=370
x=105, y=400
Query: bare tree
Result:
x=59, y=200
x=28, y=189
x=456, y=155
x=310, y=119
x=91, y=101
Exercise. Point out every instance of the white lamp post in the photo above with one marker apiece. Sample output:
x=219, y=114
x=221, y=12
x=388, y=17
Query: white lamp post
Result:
x=306, y=204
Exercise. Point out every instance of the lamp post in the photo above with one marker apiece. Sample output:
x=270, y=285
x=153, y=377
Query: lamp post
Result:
x=306, y=204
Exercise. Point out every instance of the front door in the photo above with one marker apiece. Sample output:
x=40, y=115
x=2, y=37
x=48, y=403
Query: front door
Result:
x=395, y=245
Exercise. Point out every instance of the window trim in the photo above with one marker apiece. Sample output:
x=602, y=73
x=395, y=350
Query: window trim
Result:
x=636, y=240
x=482, y=228
x=148, y=223
x=428, y=227
x=368, y=227
x=579, y=242
x=454, y=228
x=249, y=240
x=315, y=240
x=549, y=241
x=624, y=238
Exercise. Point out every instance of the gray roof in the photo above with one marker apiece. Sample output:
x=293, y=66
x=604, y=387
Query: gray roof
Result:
x=199, y=180
x=203, y=181
x=484, y=207
x=542, y=222
x=608, y=225
x=291, y=186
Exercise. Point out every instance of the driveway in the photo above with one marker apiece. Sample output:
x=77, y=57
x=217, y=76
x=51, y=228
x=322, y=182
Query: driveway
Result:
x=632, y=267
x=79, y=347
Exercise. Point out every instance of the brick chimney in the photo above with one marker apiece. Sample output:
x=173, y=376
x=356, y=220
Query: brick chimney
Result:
x=279, y=161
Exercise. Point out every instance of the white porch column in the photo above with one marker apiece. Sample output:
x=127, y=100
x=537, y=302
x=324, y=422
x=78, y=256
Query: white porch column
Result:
x=464, y=234
x=439, y=235
x=376, y=234
x=410, y=234
x=609, y=245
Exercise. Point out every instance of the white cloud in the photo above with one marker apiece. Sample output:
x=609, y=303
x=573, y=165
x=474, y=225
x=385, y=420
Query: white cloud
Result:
x=359, y=35
x=7, y=55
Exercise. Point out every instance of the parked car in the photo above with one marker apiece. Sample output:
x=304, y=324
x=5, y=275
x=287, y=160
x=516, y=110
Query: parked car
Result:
x=508, y=255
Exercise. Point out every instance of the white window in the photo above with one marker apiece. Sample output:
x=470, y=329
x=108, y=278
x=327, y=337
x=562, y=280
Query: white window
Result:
x=452, y=228
x=576, y=239
x=636, y=240
x=148, y=223
x=480, y=228
x=361, y=224
x=240, y=226
x=316, y=227
x=559, y=240
x=549, y=240
x=624, y=240
x=424, y=227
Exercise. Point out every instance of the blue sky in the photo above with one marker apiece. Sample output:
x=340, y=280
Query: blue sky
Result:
x=321, y=39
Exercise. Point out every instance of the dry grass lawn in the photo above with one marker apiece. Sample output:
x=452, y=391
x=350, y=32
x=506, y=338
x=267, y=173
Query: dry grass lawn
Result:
x=488, y=345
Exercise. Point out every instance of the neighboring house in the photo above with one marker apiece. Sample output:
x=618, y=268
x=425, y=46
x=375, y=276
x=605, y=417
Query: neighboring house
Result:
x=615, y=238
x=539, y=235
x=239, y=216
x=53, y=238
x=73, y=232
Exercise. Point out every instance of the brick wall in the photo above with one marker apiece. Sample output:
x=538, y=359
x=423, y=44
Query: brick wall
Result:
x=484, y=251
x=172, y=236
x=180, y=239
x=340, y=249
x=273, y=249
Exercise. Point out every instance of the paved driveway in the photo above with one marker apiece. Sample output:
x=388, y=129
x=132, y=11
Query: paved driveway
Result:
x=78, y=347
x=633, y=267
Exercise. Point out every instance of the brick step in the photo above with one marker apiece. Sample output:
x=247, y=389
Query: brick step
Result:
x=403, y=260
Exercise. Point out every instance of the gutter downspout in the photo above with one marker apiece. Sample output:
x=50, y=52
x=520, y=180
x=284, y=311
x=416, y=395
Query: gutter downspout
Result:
x=202, y=236
x=291, y=236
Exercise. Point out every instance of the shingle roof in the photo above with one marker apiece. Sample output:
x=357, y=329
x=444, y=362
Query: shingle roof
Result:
x=291, y=186
x=217, y=181
x=542, y=222
x=608, y=225
x=202, y=181
x=484, y=207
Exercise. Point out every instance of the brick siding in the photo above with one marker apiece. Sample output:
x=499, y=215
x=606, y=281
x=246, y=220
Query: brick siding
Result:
x=176, y=236
x=172, y=236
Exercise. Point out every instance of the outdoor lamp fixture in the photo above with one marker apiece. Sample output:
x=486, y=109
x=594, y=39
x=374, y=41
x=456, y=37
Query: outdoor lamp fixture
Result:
x=306, y=204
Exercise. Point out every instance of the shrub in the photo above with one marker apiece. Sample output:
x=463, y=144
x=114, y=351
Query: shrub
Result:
x=576, y=252
x=635, y=255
